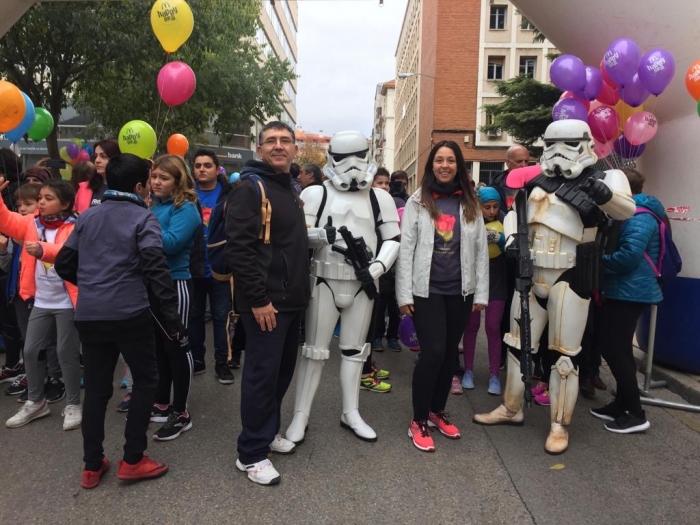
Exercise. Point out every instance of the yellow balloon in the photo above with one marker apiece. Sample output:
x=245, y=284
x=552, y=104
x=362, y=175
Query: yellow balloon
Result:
x=64, y=155
x=625, y=111
x=66, y=173
x=172, y=22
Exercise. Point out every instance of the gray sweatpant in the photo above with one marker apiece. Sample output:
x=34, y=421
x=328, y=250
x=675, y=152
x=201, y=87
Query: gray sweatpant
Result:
x=43, y=325
x=22, y=310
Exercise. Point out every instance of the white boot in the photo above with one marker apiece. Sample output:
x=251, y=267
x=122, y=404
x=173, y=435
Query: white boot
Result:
x=308, y=378
x=563, y=392
x=511, y=411
x=350, y=374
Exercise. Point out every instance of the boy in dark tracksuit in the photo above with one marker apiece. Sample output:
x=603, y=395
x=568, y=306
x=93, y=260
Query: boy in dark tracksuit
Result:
x=114, y=253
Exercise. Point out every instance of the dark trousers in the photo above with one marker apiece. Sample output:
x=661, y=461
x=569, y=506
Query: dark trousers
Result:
x=269, y=366
x=439, y=322
x=387, y=301
x=10, y=329
x=589, y=359
x=175, y=365
x=102, y=343
x=219, y=293
x=616, y=323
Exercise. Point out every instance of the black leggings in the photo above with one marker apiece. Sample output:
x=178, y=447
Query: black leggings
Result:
x=175, y=363
x=439, y=322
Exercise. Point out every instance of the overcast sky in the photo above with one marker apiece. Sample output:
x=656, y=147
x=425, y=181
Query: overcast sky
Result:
x=345, y=47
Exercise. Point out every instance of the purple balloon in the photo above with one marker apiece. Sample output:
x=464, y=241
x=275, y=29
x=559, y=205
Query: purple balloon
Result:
x=656, y=70
x=407, y=332
x=569, y=108
x=594, y=81
x=567, y=72
x=621, y=60
x=634, y=93
x=627, y=150
x=72, y=149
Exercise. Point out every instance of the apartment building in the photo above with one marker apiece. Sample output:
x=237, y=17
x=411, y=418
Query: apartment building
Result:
x=382, y=147
x=305, y=138
x=449, y=57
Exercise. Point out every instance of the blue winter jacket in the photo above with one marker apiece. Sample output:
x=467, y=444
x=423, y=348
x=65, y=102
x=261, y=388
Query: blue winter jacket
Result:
x=179, y=226
x=628, y=275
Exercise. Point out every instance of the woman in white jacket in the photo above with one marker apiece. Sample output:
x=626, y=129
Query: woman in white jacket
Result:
x=441, y=276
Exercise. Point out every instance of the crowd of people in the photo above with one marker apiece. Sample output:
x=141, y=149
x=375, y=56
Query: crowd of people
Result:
x=84, y=295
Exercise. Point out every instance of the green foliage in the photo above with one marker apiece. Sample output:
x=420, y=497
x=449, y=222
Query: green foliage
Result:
x=526, y=111
x=104, y=59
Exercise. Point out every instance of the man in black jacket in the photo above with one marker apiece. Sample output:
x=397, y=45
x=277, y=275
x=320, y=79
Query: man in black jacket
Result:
x=272, y=290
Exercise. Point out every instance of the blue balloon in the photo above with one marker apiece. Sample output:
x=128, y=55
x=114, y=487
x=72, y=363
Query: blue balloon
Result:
x=16, y=134
x=88, y=148
x=234, y=177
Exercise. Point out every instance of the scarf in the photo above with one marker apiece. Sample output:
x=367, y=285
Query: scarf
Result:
x=445, y=190
x=52, y=222
x=115, y=195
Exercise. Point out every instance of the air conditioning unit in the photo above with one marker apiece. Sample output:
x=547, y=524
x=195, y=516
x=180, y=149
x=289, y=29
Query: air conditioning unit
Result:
x=494, y=133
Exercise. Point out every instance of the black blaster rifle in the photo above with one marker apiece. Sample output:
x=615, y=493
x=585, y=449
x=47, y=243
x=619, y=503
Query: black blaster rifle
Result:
x=359, y=255
x=523, y=285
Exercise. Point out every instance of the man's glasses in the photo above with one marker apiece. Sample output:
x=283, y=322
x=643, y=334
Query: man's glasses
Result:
x=284, y=141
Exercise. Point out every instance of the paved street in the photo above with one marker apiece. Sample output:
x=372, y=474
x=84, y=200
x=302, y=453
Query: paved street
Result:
x=491, y=475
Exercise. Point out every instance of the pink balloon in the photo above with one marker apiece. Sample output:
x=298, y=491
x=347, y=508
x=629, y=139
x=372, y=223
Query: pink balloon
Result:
x=595, y=104
x=602, y=149
x=640, y=128
x=571, y=94
x=176, y=83
x=82, y=156
x=604, y=123
x=609, y=95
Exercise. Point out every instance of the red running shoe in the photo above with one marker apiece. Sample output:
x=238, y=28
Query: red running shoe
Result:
x=144, y=469
x=91, y=478
x=420, y=434
x=441, y=420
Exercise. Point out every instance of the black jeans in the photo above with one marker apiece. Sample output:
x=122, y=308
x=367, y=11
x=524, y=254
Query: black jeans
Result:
x=269, y=366
x=102, y=342
x=439, y=322
x=616, y=322
x=219, y=293
x=387, y=300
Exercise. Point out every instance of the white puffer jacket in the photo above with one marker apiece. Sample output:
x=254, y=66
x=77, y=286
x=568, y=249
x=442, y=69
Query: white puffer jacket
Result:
x=416, y=254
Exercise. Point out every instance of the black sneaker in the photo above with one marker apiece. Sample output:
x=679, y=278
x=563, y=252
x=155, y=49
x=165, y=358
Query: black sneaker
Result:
x=223, y=373
x=175, y=425
x=55, y=390
x=609, y=412
x=18, y=385
x=160, y=415
x=628, y=424
x=199, y=367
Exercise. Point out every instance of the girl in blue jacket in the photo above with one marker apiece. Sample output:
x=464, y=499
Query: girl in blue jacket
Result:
x=630, y=287
x=174, y=204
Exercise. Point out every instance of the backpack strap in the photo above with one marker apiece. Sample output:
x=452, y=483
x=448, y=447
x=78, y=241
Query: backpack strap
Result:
x=265, y=211
x=662, y=240
x=323, y=205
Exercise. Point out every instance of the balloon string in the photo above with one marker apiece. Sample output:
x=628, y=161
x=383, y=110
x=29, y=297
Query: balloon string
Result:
x=165, y=119
x=160, y=99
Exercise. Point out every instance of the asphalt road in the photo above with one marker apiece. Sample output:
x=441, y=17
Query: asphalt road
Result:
x=490, y=475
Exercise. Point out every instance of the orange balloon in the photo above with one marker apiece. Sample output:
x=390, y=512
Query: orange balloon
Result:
x=12, y=106
x=625, y=111
x=178, y=145
x=692, y=80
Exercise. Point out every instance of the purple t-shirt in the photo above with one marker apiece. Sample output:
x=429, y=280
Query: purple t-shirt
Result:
x=446, y=268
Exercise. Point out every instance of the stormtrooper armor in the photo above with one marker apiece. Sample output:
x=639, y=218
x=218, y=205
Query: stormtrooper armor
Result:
x=343, y=200
x=565, y=207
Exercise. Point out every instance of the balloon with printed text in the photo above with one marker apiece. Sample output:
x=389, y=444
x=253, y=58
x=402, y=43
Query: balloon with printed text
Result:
x=42, y=126
x=138, y=138
x=604, y=124
x=177, y=145
x=641, y=127
x=17, y=133
x=656, y=70
x=176, y=83
x=569, y=109
x=12, y=106
x=621, y=60
x=692, y=80
x=172, y=22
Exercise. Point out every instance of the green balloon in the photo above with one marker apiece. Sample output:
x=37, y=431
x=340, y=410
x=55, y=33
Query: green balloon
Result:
x=43, y=125
x=699, y=108
x=138, y=138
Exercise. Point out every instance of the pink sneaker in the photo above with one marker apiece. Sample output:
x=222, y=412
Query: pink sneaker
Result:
x=456, y=387
x=539, y=388
x=543, y=398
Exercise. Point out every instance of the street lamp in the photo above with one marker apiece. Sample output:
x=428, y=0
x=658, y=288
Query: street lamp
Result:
x=407, y=75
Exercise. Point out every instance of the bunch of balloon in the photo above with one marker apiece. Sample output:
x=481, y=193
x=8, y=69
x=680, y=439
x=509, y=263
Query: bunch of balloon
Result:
x=76, y=151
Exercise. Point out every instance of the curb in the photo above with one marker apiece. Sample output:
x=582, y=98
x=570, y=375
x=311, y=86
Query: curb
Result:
x=685, y=385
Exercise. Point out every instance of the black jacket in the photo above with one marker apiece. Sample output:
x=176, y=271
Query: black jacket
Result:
x=278, y=272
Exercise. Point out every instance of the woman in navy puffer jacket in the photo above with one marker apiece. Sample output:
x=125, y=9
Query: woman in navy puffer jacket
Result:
x=630, y=288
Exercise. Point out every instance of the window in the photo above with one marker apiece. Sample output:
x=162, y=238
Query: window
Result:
x=526, y=25
x=495, y=68
x=488, y=170
x=498, y=17
x=528, y=65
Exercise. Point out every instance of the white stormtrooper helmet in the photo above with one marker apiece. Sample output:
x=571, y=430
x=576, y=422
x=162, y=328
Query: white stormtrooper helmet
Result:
x=568, y=149
x=349, y=166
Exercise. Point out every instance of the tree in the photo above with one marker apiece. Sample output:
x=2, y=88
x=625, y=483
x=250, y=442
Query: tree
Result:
x=526, y=111
x=311, y=154
x=104, y=60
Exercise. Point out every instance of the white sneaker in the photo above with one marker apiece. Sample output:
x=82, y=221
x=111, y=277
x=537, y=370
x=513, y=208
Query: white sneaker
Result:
x=261, y=472
x=29, y=412
x=281, y=445
x=72, y=417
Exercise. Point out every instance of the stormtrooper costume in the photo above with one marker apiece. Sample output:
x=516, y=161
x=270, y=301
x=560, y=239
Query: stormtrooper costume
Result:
x=567, y=203
x=343, y=200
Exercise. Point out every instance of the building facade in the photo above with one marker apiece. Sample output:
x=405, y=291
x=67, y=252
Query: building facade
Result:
x=382, y=147
x=450, y=55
